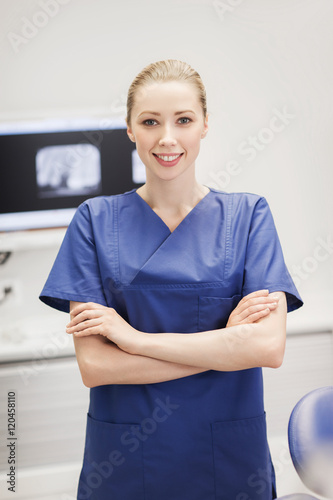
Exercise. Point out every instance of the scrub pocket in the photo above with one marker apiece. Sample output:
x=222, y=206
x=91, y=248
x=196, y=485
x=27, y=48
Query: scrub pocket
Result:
x=214, y=312
x=243, y=469
x=113, y=463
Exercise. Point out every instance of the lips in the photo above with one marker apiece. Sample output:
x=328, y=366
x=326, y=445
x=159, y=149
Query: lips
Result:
x=168, y=157
x=168, y=160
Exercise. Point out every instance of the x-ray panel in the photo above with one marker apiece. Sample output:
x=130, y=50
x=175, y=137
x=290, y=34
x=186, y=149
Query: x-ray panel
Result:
x=49, y=167
x=68, y=170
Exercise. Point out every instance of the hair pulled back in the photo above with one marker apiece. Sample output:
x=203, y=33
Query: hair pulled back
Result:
x=165, y=71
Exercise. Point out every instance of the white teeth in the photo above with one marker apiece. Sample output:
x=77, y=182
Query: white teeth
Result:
x=168, y=158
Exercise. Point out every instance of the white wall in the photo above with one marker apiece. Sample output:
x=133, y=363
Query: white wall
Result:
x=256, y=57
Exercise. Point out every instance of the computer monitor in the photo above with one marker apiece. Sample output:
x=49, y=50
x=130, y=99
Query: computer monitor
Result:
x=49, y=167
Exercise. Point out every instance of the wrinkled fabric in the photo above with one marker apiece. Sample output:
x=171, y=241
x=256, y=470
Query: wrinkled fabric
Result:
x=201, y=437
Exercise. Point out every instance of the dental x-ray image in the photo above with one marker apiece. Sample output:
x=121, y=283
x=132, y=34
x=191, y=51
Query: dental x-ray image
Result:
x=68, y=170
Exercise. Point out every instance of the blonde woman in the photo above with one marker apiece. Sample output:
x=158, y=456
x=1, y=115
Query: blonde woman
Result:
x=178, y=295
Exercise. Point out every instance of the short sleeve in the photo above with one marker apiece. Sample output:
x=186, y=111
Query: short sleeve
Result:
x=264, y=265
x=75, y=275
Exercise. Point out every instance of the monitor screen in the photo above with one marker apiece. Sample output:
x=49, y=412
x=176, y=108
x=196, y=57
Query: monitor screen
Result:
x=47, y=168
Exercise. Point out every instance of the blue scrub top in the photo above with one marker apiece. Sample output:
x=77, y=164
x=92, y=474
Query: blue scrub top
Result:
x=201, y=437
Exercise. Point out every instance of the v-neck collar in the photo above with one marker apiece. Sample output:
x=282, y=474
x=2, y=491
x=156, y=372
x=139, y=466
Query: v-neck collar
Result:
x=193, y=210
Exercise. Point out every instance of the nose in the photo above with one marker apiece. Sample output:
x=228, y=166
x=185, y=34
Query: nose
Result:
x=167, y=137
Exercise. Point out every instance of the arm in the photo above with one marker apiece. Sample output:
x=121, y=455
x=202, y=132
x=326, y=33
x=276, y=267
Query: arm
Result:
x=234, y=348
x=102, y=362
x=241, y=345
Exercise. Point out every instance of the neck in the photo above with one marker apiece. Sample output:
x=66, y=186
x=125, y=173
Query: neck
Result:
x=176, y=196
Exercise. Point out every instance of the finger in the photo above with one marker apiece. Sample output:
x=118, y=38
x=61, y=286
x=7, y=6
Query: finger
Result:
x=260, y=299
x=85, y=325
x=257, y=293
x=85, y=315
x=256, y=302
x=256, y=308
x=252, y=318
x=84, y=306
x=87, y=332
x=81, y=307
x=255, y=298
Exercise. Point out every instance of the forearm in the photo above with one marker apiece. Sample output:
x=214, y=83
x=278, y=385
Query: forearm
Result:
x=235, y=348
x=103, y=363
x=238, y=347
x=225, y=350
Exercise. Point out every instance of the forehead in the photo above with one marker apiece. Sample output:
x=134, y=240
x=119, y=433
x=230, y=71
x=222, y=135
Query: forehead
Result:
x=170, y=96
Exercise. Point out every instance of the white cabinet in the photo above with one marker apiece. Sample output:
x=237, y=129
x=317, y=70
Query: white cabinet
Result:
x=51, y=407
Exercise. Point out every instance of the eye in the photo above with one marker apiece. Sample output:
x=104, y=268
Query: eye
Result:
x=184, y=120
x=149, y=122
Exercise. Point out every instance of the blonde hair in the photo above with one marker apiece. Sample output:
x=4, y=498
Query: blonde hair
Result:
x=165, y=71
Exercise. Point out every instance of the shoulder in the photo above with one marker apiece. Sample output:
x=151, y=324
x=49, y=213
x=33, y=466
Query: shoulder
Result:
x=97, y=212
x=240, y=200
x=244, y=210
x=100, y=205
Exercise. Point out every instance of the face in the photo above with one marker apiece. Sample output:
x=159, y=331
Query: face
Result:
x=167, y=125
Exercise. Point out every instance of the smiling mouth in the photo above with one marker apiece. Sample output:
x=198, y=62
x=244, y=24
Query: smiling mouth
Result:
x=168, y=157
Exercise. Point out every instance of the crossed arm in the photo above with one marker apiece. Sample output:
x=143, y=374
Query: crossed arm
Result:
x=110, y=351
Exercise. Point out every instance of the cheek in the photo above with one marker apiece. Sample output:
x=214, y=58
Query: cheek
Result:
x=194, y=141
x=142, y=142
x=146, y=138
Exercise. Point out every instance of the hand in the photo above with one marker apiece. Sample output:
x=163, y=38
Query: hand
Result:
x=253, y=307
x=95, y=319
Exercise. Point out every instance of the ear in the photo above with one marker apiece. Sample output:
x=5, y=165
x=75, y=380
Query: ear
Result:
x=205, y=128
x=130, y=133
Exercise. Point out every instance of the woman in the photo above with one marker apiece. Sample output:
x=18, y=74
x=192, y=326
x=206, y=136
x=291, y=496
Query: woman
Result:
x=178, y=415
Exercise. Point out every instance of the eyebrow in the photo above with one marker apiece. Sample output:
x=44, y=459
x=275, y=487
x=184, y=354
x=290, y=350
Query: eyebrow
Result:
x=159, y=114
